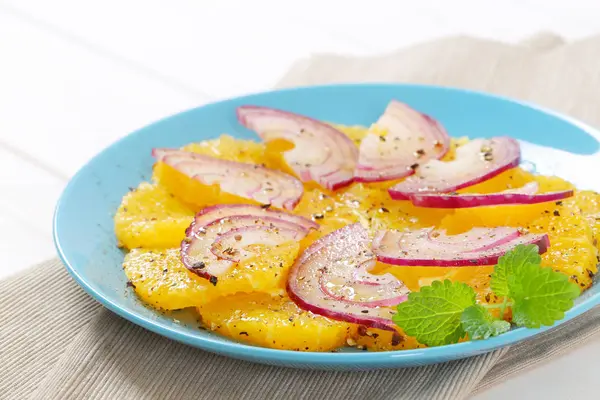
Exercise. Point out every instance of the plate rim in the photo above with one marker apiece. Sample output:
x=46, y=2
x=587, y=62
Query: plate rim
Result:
x=382, y=359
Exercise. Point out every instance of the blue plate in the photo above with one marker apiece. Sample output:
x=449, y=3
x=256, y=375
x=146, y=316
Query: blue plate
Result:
x=83, y=223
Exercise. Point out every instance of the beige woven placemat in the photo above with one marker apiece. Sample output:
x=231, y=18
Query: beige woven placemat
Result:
x=57, y=343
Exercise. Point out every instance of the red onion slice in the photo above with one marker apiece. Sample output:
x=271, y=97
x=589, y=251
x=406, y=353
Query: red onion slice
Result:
x=400, y=140
x=430, y=247
x=263, y=185
x=209, y=214
x=361, y=294
x=232, y=245
x=526, y=194
x=321, y=153
x=476, y=161
x=330, y=278
x=211, y=247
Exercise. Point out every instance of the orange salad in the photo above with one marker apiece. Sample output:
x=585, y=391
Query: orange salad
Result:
x=308, y=239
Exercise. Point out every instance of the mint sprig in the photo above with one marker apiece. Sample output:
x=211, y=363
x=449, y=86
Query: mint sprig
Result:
x=480, y=324
x=509, y=263
x=540, y=295
x=445, y=312
x=433, y=314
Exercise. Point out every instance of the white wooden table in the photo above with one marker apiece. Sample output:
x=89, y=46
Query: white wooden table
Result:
x=77, y=75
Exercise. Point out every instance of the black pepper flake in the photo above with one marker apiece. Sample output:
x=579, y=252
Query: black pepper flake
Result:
x=414, y=166
x=244, y=333
x=213, y=280
x=165, y=270
x=230, y=251
x=487, y=297
x=590, y=273
x=556, y=213
x=265, y=206
x=124, y=209
x=559, y=203
x=130, y=284
x=364, y=311
x=291, y=319
x=384, y=210
x=397, y=339
x=318, y=216
x=420, y=153
x=382, y=138
x=198, y=265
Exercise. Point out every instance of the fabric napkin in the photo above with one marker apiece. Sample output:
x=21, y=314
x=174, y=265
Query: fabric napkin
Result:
x=58, y=343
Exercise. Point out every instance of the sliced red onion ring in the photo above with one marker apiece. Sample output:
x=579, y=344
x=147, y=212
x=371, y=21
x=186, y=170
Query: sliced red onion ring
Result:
x=209, y=214
x=398, y=142
x=321, y=153
x=330, y=278
x=430, y=247
x=526, y=194
x=232, y=244
x=203, y=251
x=476, y=161
x=249, y=181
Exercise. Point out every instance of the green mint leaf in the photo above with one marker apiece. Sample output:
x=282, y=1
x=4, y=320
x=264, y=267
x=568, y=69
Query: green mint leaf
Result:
x=480, y=324
x=432, y=315
x=540, y=295
x=513, y=260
